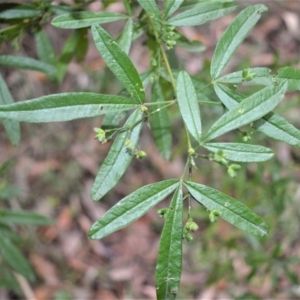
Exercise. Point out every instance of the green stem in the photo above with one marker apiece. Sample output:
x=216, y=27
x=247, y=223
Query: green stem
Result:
x=210, y=102
x=161, y=102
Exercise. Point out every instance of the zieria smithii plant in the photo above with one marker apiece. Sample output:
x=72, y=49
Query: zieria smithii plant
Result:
x=171, y=89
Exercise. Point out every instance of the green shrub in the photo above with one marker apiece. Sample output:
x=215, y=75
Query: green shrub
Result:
x=171, y=90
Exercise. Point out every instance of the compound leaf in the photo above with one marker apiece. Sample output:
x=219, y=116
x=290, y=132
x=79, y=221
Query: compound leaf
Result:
x=118, y=158
x=202, y=13
x=12, y=128
x=169, y=260
x=241, y=152
x=188, y=105
x=229, y=209
x=119, y=63
x=272, y=125
x=83, y=19
x=132, y=207
x=249, y=110
x=65, y=107
x=12, y=255
x=160, y=123
x=233, y=37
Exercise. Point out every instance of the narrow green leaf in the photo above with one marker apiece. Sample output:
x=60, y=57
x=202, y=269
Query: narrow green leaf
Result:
x=262, y=76
x=86, y=19
x=233, y=37
x=9, y=11
x=7, y=232
x=118, y=158
x=44, y=48
x=125, y=38
x=202, y=13
x=250, y=109
x=67, y=53
x=10, y=283
x=169, y=260
x=290, y=74
x=65, y=107
x=61, y=9
x=12, y=255
x=28, y=63
x=129, y=6
x=12, y=128
x=83, y=44
x=241, y=152
x=160, y=123
x=278, y=128
x=171, y=6
x=119, y=63
x=272, y=125
x=151, y=9
x=132, y=208
x=188, y=105
x=23, y=217
x=230, y=209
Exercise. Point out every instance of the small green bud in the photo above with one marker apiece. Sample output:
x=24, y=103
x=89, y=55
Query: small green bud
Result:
x=235, y=166
x=140, y=154
x=171, y=43
x=144, y=109
x=213, y=215
x=246, y=137
x=162, y=212
x=100, y=135
x=193, y=226
x=232, y=170
x=247, y=75
x=128, y=144
x=219, y=157
x=191, y=151
x=153, y=62
x=189, y=237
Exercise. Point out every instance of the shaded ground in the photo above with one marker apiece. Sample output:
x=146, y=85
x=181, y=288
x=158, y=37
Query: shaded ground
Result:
x=55, y=166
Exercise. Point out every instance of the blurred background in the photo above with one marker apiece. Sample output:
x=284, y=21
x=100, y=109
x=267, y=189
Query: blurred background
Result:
x=52, y=171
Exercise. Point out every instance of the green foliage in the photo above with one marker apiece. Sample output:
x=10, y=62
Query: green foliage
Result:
x=173, y=92
x=11, y=258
